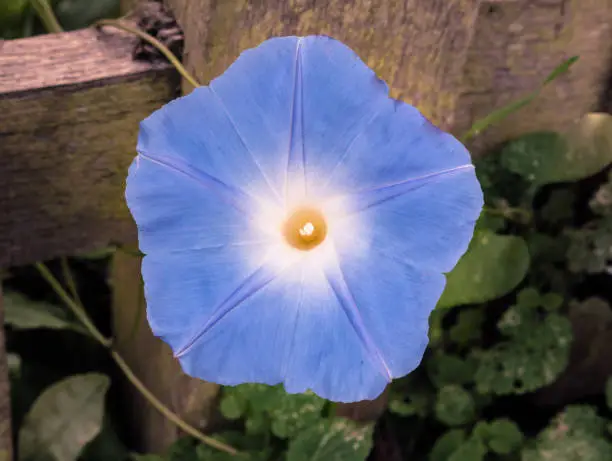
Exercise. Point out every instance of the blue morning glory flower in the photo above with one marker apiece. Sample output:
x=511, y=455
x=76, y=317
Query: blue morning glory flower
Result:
x=297, y=222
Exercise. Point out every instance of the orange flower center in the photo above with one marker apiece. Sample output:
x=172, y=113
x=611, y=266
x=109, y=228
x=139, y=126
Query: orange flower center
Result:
x=305, y=229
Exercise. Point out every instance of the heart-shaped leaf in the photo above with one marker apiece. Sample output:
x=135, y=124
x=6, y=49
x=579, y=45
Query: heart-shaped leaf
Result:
x=547, y=157
x=24, y=314
x=64, y=418
x=492, y=267
x=338, y=440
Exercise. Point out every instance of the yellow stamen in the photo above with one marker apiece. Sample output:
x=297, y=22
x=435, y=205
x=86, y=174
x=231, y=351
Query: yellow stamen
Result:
x=305, y=228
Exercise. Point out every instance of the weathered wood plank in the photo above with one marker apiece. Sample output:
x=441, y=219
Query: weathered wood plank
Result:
x=419, y=47
x=69, y=111
x=516, y=44
x=5, y=396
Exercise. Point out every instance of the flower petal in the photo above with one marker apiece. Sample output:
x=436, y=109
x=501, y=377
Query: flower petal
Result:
x=392, y=299
x=427, y=221
x=176, y=211
x=341, y=96
x=259, y=91
x=299, y=103
x=184, y=289
x=197, y=130
x=291, y=330
x=298, y=114
x=399, y=144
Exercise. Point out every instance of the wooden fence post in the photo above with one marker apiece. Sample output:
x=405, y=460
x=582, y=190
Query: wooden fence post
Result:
x=516, y=43
x=68, y=124
x=419, y=47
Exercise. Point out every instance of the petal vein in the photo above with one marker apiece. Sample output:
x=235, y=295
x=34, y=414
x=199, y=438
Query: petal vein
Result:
x=250, y=286
x=231, y=195
x=337, y=282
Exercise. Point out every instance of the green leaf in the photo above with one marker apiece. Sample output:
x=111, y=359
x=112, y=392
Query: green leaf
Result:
x=561, y=69
x=106, y=446
x=468, y=327
x=492, y=267
x=503, y=190
x=294, y=413
x=401, y=408
x=504, y=436
x=609, y=392
x=64, y=418
x=183, y=449
x=11, y=12
x=23, y=314
x=251, y=447
x=472, y=450
x=530, y=298
x=551, y=301
x=436, y=331
x=547, y=157
x=534, y=354
x=413, y=395
x=337, y=440
x=495, y=117
x=590, y=248
x=455, y=406
x=444, y=369
x=261, y=405
x=231, y=406
x=590, y=144
x=447, y=444
x=414, y=402
x=541, y=157
x=577, y=434
x=205, y=453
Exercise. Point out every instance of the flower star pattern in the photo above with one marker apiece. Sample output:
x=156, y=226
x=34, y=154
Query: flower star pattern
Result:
x=297, y=222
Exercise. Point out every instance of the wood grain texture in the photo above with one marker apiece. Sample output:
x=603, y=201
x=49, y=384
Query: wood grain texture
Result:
x=70, y=105
x=418, y=47
x=5, y=396
x=516, y=44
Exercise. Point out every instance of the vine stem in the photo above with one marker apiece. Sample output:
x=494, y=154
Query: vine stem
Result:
x=79, y=312
x=47, y=16
x=72, y=287
x=156, y=43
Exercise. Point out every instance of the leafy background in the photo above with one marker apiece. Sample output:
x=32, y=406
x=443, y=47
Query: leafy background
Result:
x=518, y=367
